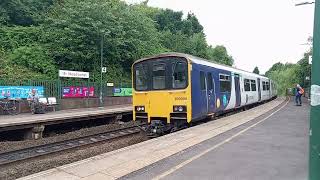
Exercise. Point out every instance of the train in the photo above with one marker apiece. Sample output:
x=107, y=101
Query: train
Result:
x=173, y=90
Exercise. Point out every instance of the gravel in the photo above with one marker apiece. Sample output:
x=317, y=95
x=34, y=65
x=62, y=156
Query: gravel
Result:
x=16, y=145
x=21, y=169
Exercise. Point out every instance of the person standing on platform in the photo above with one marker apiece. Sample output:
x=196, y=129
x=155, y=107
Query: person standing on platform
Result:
x=299, y=92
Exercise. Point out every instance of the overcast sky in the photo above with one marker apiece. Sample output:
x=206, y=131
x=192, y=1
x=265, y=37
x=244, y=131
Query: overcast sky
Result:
x=255, y=32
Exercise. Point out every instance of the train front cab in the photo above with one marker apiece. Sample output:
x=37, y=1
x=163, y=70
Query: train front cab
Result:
x=162, y=93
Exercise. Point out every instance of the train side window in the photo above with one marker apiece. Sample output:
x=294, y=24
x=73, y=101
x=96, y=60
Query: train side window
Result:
x=159, y=76
x=246, y=84
x=209, y=81
x=263, y=85
x=267, y=86
x=253, y=85
x=141, y=82
x=202, y=81
x=225, y=83
x=179, y=77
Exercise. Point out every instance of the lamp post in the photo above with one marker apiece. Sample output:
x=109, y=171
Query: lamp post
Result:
x=101, y=61
x=304, y=3
x=314, y=132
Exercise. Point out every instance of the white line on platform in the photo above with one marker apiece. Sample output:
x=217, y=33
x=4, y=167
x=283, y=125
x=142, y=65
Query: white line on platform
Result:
x=175, y=168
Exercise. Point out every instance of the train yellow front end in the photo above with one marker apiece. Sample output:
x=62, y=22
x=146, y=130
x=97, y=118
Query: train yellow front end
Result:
x=162, y=93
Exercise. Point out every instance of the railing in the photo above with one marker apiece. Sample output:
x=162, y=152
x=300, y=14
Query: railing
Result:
x=54, y=88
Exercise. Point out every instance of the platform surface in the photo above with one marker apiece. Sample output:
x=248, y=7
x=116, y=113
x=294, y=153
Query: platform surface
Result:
x=25, y=119
x=276, y=148
x=155, y=158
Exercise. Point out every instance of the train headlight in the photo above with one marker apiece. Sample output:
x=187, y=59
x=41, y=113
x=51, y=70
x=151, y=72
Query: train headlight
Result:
x=179, y=108
x=140, y=108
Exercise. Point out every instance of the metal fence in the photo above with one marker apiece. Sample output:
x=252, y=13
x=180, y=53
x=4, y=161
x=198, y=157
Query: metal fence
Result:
x=54, y=88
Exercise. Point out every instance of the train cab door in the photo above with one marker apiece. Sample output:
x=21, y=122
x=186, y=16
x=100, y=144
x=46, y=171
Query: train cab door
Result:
x=203, y=94
x=210, y=93
x=237, y=89
x=259, y=90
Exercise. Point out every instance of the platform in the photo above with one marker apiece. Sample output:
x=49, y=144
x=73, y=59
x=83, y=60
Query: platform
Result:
x=25, y=121
x=260, y=142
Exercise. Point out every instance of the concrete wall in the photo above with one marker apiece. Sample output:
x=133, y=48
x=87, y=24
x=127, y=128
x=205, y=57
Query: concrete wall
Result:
x=72, y=103
x=75, y=103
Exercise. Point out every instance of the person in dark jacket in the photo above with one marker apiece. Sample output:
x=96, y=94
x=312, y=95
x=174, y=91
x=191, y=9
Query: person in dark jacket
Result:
x=299, y=92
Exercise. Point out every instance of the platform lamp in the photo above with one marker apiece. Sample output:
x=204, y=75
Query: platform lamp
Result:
x=314, y=132
x=101, y=66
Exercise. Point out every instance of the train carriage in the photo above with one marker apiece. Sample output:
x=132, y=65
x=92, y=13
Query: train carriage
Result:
x=172, y=90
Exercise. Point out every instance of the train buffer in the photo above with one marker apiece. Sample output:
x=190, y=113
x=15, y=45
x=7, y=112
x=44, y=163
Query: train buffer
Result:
x=267, y=142
x=33, y=125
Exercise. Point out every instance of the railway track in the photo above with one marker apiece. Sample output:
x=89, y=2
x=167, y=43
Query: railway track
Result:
x=47, y=149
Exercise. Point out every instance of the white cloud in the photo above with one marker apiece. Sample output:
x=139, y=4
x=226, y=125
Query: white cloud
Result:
x=255, y=32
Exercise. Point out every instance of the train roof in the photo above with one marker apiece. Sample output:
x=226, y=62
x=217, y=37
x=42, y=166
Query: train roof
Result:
x=198, y=60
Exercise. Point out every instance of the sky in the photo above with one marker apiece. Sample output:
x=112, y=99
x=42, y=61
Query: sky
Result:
x=255, y=32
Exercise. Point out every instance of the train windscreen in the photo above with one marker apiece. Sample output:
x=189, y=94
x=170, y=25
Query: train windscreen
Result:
x=165, y=73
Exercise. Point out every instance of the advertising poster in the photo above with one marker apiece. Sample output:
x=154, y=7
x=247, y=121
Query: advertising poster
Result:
x=122, y=91
x=77, y=92
x=20, y=92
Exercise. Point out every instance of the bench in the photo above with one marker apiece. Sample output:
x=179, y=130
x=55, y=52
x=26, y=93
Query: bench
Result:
x=50, y=102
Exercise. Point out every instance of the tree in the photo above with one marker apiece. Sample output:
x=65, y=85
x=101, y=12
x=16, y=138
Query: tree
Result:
x=256, y=70
x=74, y=31
x=23, y=12
x=277, y=66
x=39, y=37
x=219, y=54
x=285, y=78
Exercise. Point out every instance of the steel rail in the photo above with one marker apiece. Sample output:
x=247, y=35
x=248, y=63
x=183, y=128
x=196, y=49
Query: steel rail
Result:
x=48, y=149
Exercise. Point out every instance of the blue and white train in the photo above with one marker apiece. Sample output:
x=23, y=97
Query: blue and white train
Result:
x=173, y=90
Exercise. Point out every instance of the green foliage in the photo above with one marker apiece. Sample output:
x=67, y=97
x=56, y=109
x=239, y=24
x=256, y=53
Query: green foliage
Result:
x=16, y=36
x=35, y=58
x=305, y=70
x=285, y=78
x=288, y=75
x=39, y=37
x=197, y=45
x=219, y=54
x=24, y=12
x=256, y=70
x=75, y=32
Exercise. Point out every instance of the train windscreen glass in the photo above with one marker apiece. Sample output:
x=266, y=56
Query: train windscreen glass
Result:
x=141, y=77
x=161, y=74
x=179, y=75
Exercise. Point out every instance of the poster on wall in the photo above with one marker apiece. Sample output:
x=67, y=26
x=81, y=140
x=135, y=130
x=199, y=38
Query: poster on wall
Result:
x=20, y=92
x=77, y=92
x=122, y=92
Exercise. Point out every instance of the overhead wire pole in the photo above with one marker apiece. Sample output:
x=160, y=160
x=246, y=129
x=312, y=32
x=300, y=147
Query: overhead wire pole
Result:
x=314, y=151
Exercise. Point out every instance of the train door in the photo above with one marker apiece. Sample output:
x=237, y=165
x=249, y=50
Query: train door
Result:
x=210, y=93
x=259, y=90
x=237, y=89
x=203, y=94
x=269, y=88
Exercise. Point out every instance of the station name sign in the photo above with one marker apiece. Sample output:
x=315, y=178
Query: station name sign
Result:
x=74, y=74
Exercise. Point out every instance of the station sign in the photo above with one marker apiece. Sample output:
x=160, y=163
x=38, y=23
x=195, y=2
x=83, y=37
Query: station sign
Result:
x=110, y=84
x=74, y=74
x=310, y=59
x=104, y=69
